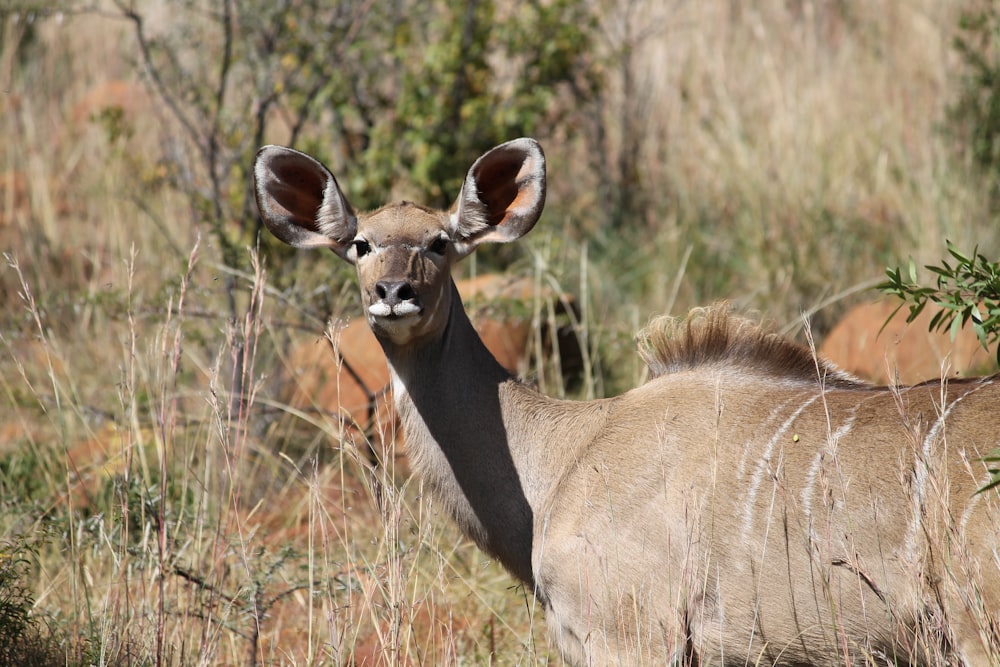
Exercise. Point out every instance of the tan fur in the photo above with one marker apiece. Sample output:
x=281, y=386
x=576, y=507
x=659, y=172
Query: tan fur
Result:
x=748, y=505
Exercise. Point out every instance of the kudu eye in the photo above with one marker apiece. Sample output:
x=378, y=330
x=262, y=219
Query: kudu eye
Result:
x=439, y=246
x=362, y=247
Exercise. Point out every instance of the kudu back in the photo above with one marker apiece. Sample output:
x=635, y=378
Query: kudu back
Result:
x=749, y=504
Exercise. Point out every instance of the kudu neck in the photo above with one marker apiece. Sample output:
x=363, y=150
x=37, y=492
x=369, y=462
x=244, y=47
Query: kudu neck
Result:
x=457, y=357
x=450, y=394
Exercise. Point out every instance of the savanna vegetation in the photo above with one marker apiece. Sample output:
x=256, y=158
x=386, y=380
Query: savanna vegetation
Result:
x=162, y=504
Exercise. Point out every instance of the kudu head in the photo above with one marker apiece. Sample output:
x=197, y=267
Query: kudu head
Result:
x=403, y=252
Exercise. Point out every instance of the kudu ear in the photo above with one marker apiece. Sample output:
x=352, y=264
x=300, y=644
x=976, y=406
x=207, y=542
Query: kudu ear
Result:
x=300, y=201
x=503, y=195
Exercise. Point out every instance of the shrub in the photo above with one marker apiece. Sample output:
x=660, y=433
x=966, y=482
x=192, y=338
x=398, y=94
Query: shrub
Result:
x=23, y=639
x=967, y=291
x=401, y=91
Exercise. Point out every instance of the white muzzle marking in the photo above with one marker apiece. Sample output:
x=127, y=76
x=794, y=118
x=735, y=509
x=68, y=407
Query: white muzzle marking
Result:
x=405, y=308
x=382, y=309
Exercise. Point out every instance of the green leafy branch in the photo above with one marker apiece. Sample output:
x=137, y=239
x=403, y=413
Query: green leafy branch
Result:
x=967, y=291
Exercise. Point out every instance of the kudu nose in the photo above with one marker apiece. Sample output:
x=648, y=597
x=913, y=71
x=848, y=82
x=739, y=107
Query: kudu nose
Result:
x=392, y=292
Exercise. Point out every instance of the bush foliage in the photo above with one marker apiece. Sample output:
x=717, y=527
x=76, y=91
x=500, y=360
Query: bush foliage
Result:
x=407, y=91
x=967, y=290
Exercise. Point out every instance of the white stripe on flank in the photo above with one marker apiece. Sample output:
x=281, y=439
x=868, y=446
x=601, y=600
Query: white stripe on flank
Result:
x=921, y=470
x=764, y=462
x=741, y=467
x=973, y=503
x=808, y=490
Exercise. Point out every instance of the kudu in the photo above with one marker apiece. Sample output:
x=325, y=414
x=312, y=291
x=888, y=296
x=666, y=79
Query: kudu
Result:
x=749, y=504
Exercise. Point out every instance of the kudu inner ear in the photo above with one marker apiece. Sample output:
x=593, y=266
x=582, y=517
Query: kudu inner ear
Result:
x=503, y=195
x=300, y=202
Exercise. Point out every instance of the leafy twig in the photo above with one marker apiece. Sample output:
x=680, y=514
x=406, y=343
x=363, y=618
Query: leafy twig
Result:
x=967, y=292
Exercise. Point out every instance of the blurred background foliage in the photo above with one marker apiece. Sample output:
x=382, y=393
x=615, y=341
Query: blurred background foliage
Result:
x=389, y=94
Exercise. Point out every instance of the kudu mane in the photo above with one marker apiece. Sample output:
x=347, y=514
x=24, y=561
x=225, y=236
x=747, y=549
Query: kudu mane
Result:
x=714, y=337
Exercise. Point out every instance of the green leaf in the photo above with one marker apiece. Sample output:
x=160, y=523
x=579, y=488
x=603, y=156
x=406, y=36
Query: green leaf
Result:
x=956, y=327
x=957, y=254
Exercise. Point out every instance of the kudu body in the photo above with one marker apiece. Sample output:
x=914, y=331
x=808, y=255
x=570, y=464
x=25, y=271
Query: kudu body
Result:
x=747, y=505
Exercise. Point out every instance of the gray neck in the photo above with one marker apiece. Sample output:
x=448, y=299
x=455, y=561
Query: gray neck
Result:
x=449, y=395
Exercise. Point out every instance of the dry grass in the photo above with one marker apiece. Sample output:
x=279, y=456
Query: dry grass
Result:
x=795, y=148
x=788, y=151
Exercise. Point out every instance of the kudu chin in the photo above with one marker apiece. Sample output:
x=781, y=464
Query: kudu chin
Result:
x=749, y=504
